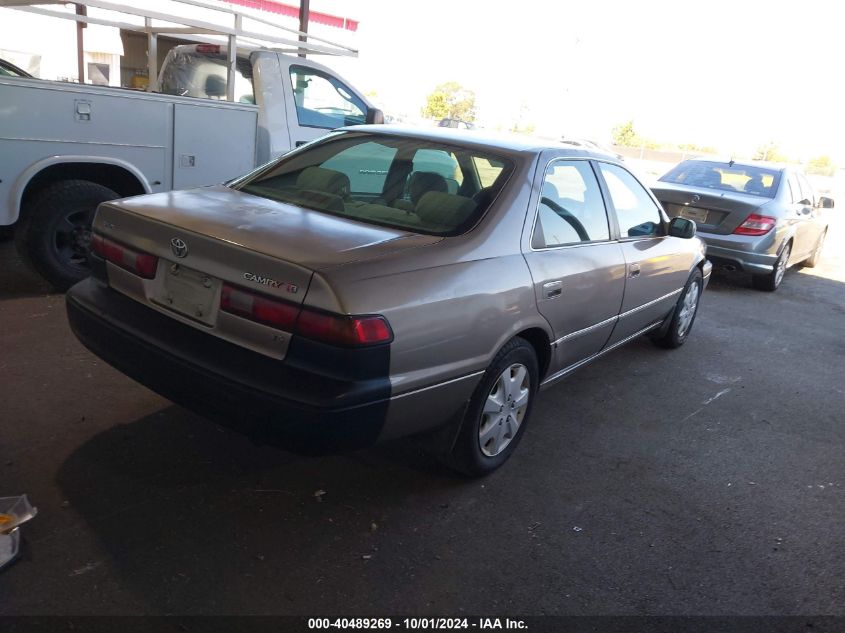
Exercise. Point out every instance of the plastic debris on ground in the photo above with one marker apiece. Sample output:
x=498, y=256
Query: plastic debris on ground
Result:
x=14, y=512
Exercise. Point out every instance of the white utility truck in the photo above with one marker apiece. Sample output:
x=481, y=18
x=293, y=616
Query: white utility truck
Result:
x=215, y=111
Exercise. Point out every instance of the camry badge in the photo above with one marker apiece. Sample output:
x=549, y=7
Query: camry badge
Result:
x=179, y=247
x=273, y=283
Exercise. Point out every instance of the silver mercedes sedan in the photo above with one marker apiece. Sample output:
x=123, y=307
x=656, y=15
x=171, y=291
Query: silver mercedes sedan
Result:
x=755, y=217
x=384, y=282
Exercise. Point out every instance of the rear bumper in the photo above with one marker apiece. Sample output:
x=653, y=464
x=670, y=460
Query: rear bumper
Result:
x=751, y=255
x=285, y=403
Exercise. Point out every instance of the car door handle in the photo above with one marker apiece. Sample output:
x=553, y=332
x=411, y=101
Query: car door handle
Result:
x=633, y=271
x=552, y=289
x=300, y=143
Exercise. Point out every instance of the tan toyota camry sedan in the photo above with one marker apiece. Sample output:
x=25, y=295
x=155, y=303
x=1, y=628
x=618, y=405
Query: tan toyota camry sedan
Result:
x=385, y=281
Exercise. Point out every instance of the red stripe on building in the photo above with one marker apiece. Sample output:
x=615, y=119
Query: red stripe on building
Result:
x=292, y=11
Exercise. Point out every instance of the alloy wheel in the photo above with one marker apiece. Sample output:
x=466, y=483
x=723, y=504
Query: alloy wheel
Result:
x=688, y=308
x=780, y=269
x=504, y=410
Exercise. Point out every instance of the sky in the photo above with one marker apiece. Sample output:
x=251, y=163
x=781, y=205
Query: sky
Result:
x=730, y=74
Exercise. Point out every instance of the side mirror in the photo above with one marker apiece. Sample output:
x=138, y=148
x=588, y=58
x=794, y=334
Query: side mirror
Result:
x=375, y=116
x=681, y=227
x=825, y=202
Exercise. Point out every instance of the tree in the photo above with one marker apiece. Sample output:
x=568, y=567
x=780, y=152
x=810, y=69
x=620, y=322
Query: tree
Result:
x=821, y=165
x=450, y=100
x=624, y=135
x=769, y=152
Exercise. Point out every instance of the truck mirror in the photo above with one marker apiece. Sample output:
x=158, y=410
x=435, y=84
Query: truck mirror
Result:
x=375, y=116
x=825, y=202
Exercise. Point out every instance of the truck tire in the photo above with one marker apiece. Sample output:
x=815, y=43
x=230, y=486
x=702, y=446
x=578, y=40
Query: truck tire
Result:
x=54, y=235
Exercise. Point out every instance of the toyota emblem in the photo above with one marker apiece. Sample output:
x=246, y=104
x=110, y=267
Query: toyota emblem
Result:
x=179, y=247
x=695, y=198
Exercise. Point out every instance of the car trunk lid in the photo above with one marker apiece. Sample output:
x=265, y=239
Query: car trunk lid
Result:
x=210, y=240
x=301, y=237
x=713, y=211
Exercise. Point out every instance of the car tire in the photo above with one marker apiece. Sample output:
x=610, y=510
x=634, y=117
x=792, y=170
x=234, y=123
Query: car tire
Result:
x=487, y=437
x=771, y=281
x=683, y=316
x=813, y=260
x=55, y=233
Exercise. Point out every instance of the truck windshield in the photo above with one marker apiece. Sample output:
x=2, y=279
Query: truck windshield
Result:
x=420, y=185
x=200, y=74
x=731, y=177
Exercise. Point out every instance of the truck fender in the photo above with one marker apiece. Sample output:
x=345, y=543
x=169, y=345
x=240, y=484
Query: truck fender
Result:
x=17, y=190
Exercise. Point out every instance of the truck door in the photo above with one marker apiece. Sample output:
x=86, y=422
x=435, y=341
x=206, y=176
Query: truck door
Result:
x=316, y=101
x=577, y=268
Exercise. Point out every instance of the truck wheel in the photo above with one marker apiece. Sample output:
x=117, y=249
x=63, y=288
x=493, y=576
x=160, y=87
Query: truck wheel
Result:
x=498, y=411
x=55, y=233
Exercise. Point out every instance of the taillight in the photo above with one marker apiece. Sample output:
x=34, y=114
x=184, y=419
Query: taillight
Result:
x=334, y=329
x=756, y=225
x=348, y=331
x=260, y=308
x=137, y=262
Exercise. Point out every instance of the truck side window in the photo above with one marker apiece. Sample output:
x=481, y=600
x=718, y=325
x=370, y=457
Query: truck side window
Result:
x=323, y=101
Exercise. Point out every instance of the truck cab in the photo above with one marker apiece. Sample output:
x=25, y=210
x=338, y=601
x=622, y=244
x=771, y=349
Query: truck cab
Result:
x=298, y=99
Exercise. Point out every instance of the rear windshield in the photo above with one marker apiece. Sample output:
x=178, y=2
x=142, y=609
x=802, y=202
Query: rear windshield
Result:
x=205, y=75
x=422, y=186
x=757, y=181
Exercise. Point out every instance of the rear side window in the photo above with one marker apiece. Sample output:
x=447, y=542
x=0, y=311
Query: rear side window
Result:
x=806, y=190
x=637, y=213
x=394, y=181
x=323, y=101
x=571, y=209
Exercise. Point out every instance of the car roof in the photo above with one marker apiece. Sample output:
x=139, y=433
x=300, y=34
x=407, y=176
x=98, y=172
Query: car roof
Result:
x=741, y=163
x=477, y=138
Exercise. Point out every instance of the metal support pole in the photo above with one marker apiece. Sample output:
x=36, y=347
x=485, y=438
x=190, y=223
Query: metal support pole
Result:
x=152, y=55
x=304, y=10
x=81, y=10
x=233, y=59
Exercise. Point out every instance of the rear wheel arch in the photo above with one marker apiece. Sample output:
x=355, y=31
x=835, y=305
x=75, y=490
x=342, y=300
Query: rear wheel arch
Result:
x=539, y=340
x=118, y=176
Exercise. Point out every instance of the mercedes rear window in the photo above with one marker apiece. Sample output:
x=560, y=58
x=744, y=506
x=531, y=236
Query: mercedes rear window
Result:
x=406, y=183
x=730, y=177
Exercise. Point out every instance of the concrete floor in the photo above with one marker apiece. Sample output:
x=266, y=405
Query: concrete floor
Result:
x=707, y=480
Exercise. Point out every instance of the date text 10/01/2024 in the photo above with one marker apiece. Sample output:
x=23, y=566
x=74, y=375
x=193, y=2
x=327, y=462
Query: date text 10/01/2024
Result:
x=416, y=623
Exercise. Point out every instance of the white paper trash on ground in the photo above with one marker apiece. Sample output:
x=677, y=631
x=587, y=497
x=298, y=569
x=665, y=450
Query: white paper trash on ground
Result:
x=14, y=512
